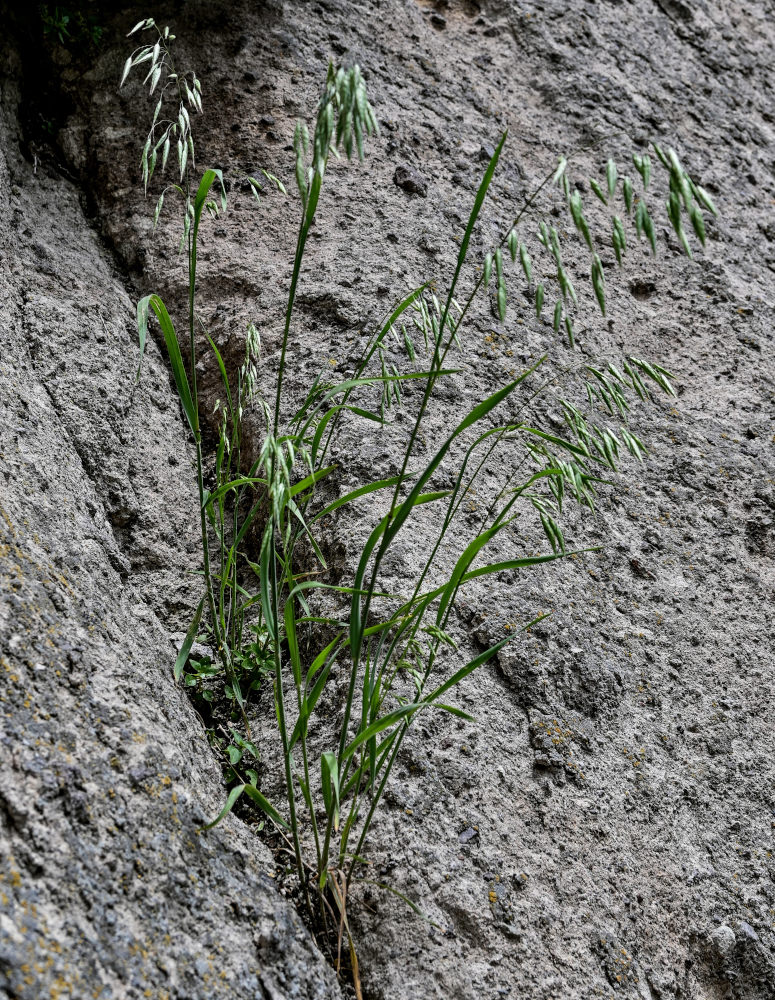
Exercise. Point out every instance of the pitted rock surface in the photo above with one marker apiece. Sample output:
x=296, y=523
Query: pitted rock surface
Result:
x=107, y=887
x=643, y=871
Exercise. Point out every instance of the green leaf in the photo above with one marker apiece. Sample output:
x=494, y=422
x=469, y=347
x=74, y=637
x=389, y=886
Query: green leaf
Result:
x=329, y=774
x=469, y=668
x=310, y=701
x=257, y=797
x=382, y=751
x=266, y=556
x=310, y=480
x=293, y=508
x=234, y=484
x=188, y=642
x=478, y=202
x=557, y=315
x=560, y=442
x=476, y=414
x=391, y=524
x=289, y=617
x=173, y=350
x=208, y=179
x=461, y=566
x=380, y=484
x=263, y=803
x=327, y=418
x=380, y=725
x=511, y=564
x=457, y=712
x=349, y=384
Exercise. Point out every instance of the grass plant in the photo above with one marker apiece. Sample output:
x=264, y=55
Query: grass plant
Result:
x=261, y=608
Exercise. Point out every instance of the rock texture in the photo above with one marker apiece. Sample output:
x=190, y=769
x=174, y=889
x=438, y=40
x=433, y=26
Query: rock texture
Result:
x=607, y=827
x=107, y=888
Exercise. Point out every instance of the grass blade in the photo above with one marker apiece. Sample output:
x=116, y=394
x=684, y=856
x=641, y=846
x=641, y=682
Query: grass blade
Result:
x=188, y=642
x=173, y=350
x=252, y=793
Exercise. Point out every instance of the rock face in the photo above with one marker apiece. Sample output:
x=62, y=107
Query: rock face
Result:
x=106, y=886
x=607, y=827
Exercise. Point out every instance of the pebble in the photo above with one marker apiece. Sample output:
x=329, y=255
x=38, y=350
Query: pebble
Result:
x=410, y=180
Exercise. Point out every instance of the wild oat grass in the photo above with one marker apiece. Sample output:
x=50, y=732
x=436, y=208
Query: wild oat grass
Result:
x=257, y=604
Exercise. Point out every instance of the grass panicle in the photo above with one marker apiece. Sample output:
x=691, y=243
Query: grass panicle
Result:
x=262, y=612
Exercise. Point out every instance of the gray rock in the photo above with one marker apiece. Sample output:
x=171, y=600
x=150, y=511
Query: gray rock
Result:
x=107, y=884
x=410, y=179
x=723, y=940
x=746, y=932
x=680, y=775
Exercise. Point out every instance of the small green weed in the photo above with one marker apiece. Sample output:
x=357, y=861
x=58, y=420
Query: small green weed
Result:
x=261, y=611
x=70, y=25
x=55, y=22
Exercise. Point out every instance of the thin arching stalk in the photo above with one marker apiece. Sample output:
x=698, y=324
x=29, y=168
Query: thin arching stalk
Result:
x=219, y=645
